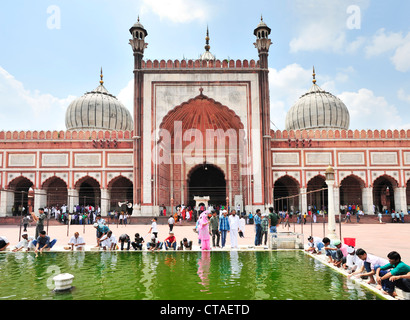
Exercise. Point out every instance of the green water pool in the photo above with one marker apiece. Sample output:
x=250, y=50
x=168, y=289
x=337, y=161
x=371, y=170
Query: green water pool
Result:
x=235, y=275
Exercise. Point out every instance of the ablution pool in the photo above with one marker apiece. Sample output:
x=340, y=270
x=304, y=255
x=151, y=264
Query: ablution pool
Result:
x=215, y=275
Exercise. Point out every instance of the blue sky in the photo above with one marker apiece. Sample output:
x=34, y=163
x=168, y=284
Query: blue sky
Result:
x=52, y=52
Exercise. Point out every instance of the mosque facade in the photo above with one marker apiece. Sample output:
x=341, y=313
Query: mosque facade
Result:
x=201, y=128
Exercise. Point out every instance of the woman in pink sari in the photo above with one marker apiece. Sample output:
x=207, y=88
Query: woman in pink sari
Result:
x=203, y=231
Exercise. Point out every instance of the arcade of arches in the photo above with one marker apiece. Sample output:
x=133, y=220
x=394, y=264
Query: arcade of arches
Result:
x=87, y=191
x=384, y=194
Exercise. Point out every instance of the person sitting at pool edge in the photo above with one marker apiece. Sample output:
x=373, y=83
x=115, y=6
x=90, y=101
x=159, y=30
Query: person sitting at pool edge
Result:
x=125, y=238
x=170, y=241
x=26, y=243
x=185, y=243
x=43, y=242
x=4, y=243
x=77, y=241
x=102, y=230
x=330, y=249
x=398, y=276
x=341, y=253
x=138, y=241
x=353, y=262
x=108, y=241
x=315, y=245
x=154, y=244
x=370, y=264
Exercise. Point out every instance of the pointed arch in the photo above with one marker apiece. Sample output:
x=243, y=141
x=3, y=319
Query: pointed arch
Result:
x=383, y=193
x=350, y=190
x=286, y=191
x=317, y=195
x=57, y=191
x=89, y=191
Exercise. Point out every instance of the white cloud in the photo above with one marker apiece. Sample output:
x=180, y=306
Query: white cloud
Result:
x=403, y=96
x=126, y=96
x=22, y=109
x=322, y=26
x=382, y=43
x=368, y=111
x=395, y=42
x=178, y=11
x=317, y=36
x=401, y=58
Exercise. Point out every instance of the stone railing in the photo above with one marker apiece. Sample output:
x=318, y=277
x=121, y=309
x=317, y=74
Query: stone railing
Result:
x=341, y=134
x=64, y=135
x=200, y=64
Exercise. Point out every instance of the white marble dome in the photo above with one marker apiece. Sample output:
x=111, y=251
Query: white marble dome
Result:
x=98, y=110
x=318, y=109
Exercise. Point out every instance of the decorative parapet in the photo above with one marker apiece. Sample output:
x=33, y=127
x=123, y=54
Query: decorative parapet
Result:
x=341, y=134
x=200, y=64
x=64, y=135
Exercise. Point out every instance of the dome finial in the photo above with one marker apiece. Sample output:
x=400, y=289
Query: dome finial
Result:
x=314, y=75
x=207, y=46
x=102, y=77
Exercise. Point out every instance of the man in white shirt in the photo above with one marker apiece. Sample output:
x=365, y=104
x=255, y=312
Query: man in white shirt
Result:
x=108, y=241
x=171, y=222
x=370, y=264
x=234, y=228
x=315, y=245
x=154, y=229
x=77, y=242
x=25, y=243
x=353, y=262
x=242, y=223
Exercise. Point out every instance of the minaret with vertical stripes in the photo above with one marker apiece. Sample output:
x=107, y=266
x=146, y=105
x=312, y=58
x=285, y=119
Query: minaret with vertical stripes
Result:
x=138, y=45
x=263, y=43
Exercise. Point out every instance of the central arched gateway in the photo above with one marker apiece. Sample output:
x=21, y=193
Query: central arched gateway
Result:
x=207, y=180
x=200, y=152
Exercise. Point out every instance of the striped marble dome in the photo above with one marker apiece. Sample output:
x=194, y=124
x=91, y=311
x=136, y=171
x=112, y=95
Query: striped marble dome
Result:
x=318, y=109
x=98, y=109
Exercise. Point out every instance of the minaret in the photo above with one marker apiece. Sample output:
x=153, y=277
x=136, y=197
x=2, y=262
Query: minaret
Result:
x=263, y=43
x=138, y=45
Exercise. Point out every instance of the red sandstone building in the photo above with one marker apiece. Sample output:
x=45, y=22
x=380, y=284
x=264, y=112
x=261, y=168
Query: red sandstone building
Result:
x=202, y=128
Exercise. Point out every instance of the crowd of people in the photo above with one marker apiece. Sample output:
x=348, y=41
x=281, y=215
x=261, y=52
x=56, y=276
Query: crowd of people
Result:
x=212, y=230
x=385, y=273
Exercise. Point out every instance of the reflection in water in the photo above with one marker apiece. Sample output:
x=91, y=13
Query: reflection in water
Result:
x=148, y=269
x=176, y=275
x=236, y=266
x=204, y=264
x=170, y=260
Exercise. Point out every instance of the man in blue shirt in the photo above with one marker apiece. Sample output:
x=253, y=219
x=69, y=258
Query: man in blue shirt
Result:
x=224, y=227
x=258, y=228
x=43, y=242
